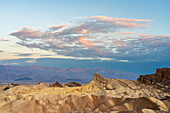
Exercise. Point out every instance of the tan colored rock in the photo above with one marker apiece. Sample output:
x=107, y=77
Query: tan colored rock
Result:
x=148, y=111
x=99, y=95
x=161, y=105
x=78, y=103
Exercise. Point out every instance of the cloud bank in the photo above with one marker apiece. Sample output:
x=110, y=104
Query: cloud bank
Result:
x=98, y=37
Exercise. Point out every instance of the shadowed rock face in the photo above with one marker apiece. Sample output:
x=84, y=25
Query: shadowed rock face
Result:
x=72, y=84
x=99, y=95
x=57, y=84
x=161, y=76
x=159, y=80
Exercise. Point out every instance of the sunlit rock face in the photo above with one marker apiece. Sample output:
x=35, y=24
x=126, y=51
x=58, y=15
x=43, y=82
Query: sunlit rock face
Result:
x=99, y=95
x=78, y=103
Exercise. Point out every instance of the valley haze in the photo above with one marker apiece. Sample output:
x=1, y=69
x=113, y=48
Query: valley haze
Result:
x=37, y=74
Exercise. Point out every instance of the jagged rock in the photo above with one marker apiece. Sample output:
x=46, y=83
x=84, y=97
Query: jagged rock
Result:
x=57, y=84
x=40, y=85
x=8, y=86
x=16, y=90
x=78, y=103
x=99, y=95
x=72, y=84
x=98, y=86
x=161, y=76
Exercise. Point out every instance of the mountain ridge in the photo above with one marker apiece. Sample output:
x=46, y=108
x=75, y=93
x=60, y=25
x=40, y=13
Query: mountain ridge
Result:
x=51, y=74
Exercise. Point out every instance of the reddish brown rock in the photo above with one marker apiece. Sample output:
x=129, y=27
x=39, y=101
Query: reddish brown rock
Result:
x=162, y=75
x=57, y=84
x=72, y=84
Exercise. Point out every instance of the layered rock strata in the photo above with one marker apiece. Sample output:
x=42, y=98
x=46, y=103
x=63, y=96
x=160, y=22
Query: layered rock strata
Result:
x=99, y=95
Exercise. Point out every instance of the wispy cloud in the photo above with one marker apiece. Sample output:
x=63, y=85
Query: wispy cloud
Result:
x=25, y=54
x=26, y=33
x=5, y=40
x=98, y=37
x=58, y=27
x=14, y=63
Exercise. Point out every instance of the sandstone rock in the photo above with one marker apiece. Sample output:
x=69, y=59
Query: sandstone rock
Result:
x=7, y=86
x=148, y=111
x=77, y=103
x=99, y=95
x=16, y=90
x=160, y=104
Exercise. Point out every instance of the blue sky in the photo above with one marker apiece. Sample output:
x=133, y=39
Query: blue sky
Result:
x=109, y=32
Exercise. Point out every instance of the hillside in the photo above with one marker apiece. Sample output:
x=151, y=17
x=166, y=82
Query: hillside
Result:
x=99, y=95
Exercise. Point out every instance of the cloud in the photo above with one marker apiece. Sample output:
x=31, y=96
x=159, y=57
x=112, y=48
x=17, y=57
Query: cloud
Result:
x=58, y=27
x=25, y=54
x=98, y=37
x=31, y=61
x=14, y=64
x=5, y=40
x=26, y=33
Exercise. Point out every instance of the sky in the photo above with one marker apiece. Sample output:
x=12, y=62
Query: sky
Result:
x=128, y=35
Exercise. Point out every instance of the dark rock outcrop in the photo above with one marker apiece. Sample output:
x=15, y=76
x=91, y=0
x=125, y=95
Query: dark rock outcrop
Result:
x=72, y=84
x=162, y=75
x=159, y=80
x=8, y=86
x=57, y=84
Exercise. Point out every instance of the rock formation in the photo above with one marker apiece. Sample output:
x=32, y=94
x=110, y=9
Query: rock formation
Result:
x=72, y=84
x=159, y=80
x=8, y=86
x=99, y=95
x=78, y=103
x=161, y=76
x=57, y=84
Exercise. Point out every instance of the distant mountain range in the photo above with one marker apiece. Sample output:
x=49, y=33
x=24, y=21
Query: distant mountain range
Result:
x=52, y=74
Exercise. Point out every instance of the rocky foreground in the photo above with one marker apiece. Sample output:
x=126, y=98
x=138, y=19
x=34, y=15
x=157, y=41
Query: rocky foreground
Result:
x=149, y=94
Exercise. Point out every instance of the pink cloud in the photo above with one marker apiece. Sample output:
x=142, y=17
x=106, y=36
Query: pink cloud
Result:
x=131, y=24
x=115, y=19
x=58, y=27
x=96, y=36
x=89, y=44
x=132, y=20
x=27, y=33
x=127, y=22
x=5, y=40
